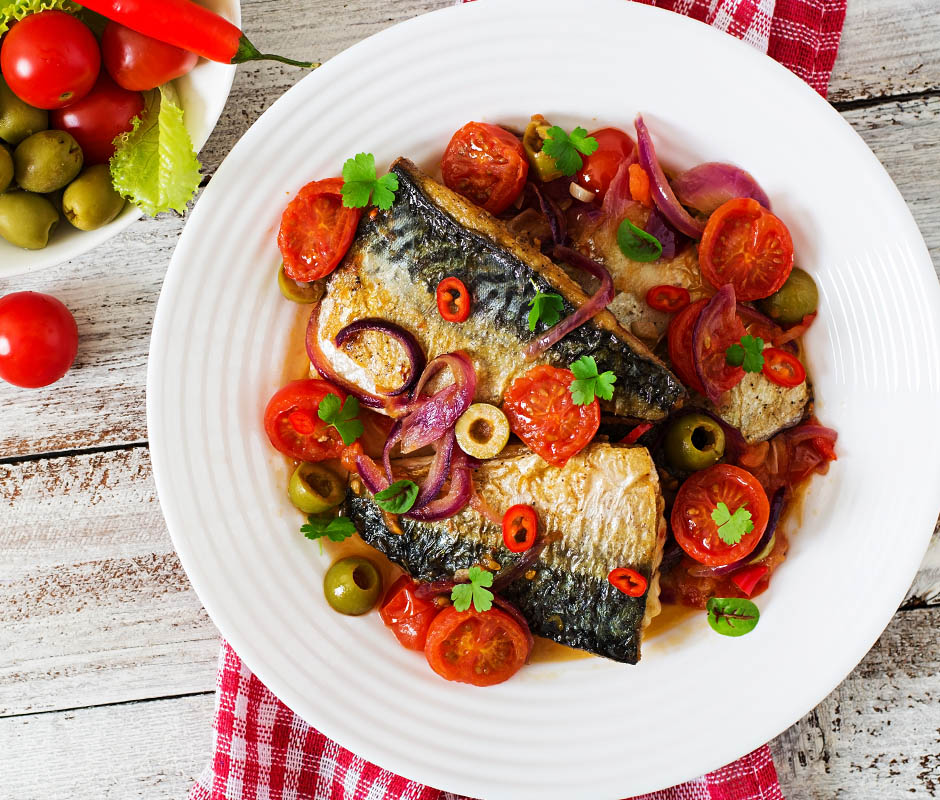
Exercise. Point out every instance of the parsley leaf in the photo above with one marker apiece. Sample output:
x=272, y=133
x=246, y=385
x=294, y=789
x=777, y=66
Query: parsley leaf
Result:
x=341, y=416
x=636, y=244
x=732, y=527
x=360, y=183
x=336, y=529
x=748, y=354
x=732, y=616
x=589, y=383
x=465, y=593
x=565, y=149
x=545, y=307
x=397, y=498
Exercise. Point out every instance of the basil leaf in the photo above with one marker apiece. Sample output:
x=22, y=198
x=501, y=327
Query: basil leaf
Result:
x=397, y=498
x=637, y=244
x=732, y=616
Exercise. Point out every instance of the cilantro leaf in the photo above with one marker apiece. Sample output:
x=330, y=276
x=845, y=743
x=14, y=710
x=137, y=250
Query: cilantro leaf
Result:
x=564, y=149
x=397, y=498
x=636, y=244
x=732, y=527
x=732, y=616
x=342, y=416
x=749, y=354
x=336, y=529
x=545, y=307
x=360, y=183
x=588, y=383
x=463, y=594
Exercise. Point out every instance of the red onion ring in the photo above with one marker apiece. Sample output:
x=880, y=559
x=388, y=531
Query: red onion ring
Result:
x=438, y=471
x=416, y=357
x=458, y=495
x=394, y=435
x=373, y=477
x=594, y=305
x=709, y=185
x=721, y=304
x=432, y=417
x=663, y=195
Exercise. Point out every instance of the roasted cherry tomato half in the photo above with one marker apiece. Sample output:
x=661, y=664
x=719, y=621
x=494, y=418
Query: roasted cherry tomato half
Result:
x=598, y=170
x=716, y=330
x=138, y=62
x=520, y=527
x=747, y=246
x=628, y=581
x=408, y=616
x=292, y=423
x=316, y=230
x=543, y=414
x=783, y=368
x=486, y=164
x=692, y=524
x=668, y=298
x=681, y=329
x=38, y=339
x=453, y=300
x=480, y=648
x=748, y=578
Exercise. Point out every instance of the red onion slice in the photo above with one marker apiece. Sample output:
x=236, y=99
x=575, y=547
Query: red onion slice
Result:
x=458, y=495
x=717, y=327
x=712, y=184
x=662, y=192
x=416, y=357
x=555, y=216
x=394, y=436
x=809, y=431
x=665, y=234
x=372, y=476
x=432, y=417
x=438, y=472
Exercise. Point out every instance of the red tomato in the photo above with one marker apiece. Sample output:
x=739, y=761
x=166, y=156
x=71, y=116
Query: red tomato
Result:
x=50, y=59
x=38, y=339
x=520, y=527
x=628, y=581
x=98, y=118
x=668, y=298
x=138, y=62
x=747, y=246
x=542, y=413
x=783, y=368
x=481, y=648
x=453, y=300
x=613, y=147
x=486, y=164
x=292, y=424
x=408, y=616
x=316, y=230
x=692, y=524
x=681, y=328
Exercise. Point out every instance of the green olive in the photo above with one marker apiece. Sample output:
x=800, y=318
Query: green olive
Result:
x=352, y=585
x=315, y=489
x=46, y=161
x=297, y=292
x=482, y=431
x=6, y=169
x=792, y=301
x=26, y=219
x=90, y=201
x=766, y=551
x=536, y=133
x=18, y=119
x=694, y=442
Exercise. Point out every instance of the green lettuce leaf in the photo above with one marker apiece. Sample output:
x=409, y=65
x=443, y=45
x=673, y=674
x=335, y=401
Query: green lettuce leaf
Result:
x=12, y=12
x=154, y=165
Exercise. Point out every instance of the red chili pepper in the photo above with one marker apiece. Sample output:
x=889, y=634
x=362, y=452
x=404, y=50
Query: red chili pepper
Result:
x=184, y=24
x=746, y=580
x=520, y=526
x=636, y=433
x=668, y=298
x=628, y=581
x=453, y=300
x=783, y=368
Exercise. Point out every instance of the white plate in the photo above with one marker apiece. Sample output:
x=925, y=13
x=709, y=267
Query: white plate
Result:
x=588, y=728
x=203, y=93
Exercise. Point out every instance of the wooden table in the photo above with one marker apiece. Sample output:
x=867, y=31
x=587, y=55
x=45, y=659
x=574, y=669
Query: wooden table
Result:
x=107, y=658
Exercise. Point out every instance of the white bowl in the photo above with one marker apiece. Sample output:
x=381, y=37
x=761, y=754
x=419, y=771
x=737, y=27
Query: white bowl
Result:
x=203, y=93
x=589, y=728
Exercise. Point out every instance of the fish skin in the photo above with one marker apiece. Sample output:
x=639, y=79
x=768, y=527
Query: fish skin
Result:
x=392, y=270
x=569, y=599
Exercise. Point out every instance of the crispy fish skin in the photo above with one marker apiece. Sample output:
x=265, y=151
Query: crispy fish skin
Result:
x=392, y=271
x=606, y=508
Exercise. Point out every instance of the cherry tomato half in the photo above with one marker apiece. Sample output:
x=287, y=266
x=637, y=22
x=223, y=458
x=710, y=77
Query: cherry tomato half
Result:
x=316, y=230
x=714, y=334
x=292, y=423
x=543, y=414
x=98, y=118
x=486, y=164
x=783, y=368
x=628, y=581
x=138, y=62
x=520, y=527
x=692, y=525
x=38, y=339
x=599, y=168
x=747, y=246
x=480, y=648
x=453, y=300
x=681, y=329
x=50, y=59
x=408, y=616
x=668, y=298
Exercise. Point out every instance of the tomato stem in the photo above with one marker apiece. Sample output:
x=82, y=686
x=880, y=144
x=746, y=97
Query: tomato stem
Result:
x=248, y=52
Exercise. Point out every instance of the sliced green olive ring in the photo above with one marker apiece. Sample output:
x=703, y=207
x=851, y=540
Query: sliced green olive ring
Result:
x=304, y=293
x=694, y=442
x=482, y=431
x=315, y=489
x=352, y=585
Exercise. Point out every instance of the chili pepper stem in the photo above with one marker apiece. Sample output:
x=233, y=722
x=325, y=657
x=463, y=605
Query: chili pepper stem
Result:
x=248, y=52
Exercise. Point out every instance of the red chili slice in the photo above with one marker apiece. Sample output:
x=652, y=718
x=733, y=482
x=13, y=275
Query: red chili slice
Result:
x=628, y=581
x=453, y=300
x=636, y=433
x=783, y=368
x=668, y=298
x=747, y=579
x=520, y=526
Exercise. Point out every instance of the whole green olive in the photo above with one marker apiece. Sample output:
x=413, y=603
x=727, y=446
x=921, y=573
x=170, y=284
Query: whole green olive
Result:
x=26, y=219
x=90, y=201
x=352, y=585
x=46, y=161
x=18, y=119
x=694, y=442
x=315, y=489
x=304, y=293
x=6, y=169
x=792, y=301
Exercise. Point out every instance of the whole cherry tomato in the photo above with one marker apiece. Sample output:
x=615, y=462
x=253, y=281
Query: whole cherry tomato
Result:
x=486, y=164
x=599, y=168
x=38, y=339
x=138, y=62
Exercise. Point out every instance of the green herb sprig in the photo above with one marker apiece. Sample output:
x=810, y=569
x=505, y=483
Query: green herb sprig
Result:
x=589, y=383
x=566, y=149
x=748, y=354
x=475, y=592
x=398, y=498
x=732, y=528
x=360, y=183
x=732, y=616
